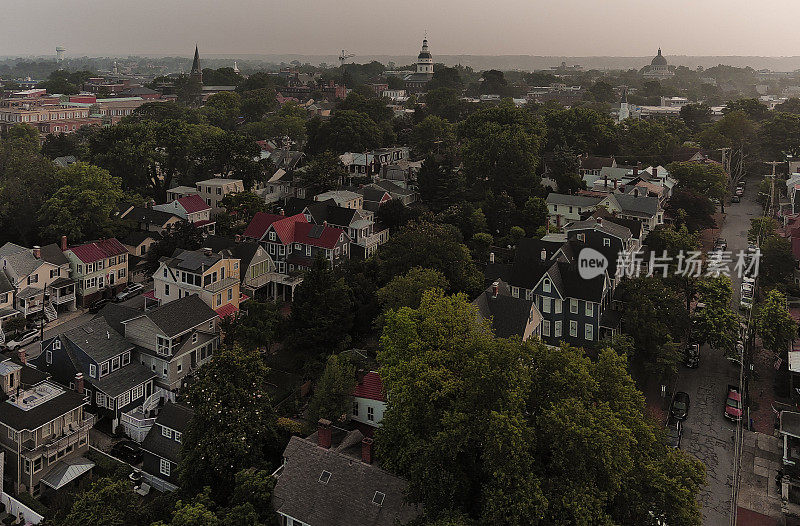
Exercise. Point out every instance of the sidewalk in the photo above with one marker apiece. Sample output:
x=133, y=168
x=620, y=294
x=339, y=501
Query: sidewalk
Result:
x=761, y=460
x=762, y=391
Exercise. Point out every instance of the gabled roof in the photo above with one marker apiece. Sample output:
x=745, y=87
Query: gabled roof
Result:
x=141, y=214
x=179, y=316
x=346, y=499
x=260, y=223
x=20, y=259
x=600, y=225
x=596, y=163
x=392, y=188
x=293, y=229
x=193, y=203
x=370, y=387
x=374, y=194
x=98, y=340
x=175, y=417
x=115, y=314
x=572, y=200
x=52, y=254
x=637, y=205
x=97, y=250
x=191, y=260
x=137, y=237
x=322, y=211
x=510, y=316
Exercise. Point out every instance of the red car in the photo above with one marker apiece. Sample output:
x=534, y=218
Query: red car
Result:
x=733, y=404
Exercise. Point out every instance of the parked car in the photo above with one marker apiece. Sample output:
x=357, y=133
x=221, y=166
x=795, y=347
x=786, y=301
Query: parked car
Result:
x=739, y=191
x=674, y=430
x=733, y=404
x=130, y=291
x=736, y=199
x=21, y=340
x=692, y=356
x=95, y=307
x=720, y=244
x=746, y=297
x=679, y=408
x=128, y=451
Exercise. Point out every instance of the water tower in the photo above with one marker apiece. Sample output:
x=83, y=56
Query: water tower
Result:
x=60, y=54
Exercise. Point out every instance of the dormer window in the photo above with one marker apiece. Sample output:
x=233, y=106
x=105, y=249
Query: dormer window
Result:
x=56, y=344
x=546, y=285
x=272, y=236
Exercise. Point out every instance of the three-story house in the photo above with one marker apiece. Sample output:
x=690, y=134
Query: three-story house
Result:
x=99, y=267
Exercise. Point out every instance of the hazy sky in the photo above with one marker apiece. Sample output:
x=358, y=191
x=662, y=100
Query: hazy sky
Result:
x=370, y=27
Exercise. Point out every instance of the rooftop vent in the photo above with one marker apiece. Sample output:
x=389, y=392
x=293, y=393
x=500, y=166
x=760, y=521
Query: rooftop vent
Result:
x=377, y=499
x=325, y=477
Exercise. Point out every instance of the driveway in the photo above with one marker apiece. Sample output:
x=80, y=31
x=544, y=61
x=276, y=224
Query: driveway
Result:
x=707, y=434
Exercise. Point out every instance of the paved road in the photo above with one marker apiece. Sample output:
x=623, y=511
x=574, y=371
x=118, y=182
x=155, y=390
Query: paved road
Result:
x=707, y=434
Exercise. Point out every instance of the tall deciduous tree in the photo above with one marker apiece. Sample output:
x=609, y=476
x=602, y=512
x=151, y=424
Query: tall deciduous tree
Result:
x=108, y=502
x=233, y=425
x=716, y=324
x=345, y=131
x=333, y=392
x=774, y=324
x=707, y=179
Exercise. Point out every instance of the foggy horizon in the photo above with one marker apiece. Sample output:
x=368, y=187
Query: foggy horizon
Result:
x=573, y=28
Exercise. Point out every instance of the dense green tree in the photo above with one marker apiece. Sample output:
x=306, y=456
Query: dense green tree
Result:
x=239, y=209
x=393, y=214
x=257, y=327
x=505, y=432
x=780, y=135
x=333, y=393
x=234, y=384
x=534, y=215
x=407, y=290
x=446, y=103
x=223, y=109
x=762, y=228
x=774, y=324
x=256, y=103
x=583, y=130
x=500, y=150
x=675, y=241
x=288, y=121
x=376, y=108
x=432, y=135
x=790, y=106
x=221, y=77
x=445, y=77
x=61, y=144
x=493, y=82
x=324, y=172
x=716, y=324
x=108, y=502
x=82, y=208
x=651, y=141
x=777, y=263
x=322, y=314
x=696, y=115
x=563, y=165
x=183, y=235
x=195, y=512
x=707, y=179
x=345, y=131
x=434, y=246
x=258, y=80
x=693, y=210
x=440, y=183
x=602, y=91
x=751, y=107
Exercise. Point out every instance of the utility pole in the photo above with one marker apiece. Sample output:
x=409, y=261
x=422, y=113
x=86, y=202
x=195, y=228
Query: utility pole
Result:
x=771, y=210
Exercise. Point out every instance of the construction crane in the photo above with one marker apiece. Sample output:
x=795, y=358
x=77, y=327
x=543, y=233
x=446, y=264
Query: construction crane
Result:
x=344, y=56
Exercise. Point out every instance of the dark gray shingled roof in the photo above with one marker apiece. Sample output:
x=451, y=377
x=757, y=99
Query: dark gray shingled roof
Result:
x=509, y=315
x=347, y=498
x=98, y=339
x=124, y=379
x=115, y=314
x=52, y=254
x=175, y=417
x=180, y=315
x=41, y=414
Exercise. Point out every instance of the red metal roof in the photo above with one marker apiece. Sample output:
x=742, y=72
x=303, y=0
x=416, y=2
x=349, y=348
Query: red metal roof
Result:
x=260, y=223
x=97, y=250
x=370, y=387
x=226, y=310
x=193, y=203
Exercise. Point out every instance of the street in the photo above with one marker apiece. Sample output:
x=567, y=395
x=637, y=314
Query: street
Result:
x=708, y=435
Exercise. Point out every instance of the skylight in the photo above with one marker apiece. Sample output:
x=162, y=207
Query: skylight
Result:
x=325, y=477
x=377, y=499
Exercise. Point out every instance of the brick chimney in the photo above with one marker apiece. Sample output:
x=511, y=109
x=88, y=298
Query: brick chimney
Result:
x=616, y=181
x=324, y=433
x=37, y=251
x=79, y=383
x=237, y=238
x=22, y=355
x=543, y=255
x=495, y=289
x=599, y=221
x=366, y=450
x=655, y=172
x=63, y=243
x=635, y=171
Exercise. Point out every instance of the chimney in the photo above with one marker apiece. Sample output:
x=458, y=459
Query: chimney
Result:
x=635, y=171
x=366, y=450
x=207, y=251
x=655, y=172
x=237, y=238
x=22, y=355
x=599, y=221
x=79, y=383
x=108, y=335
x=325, y=223
x=615, y=183
x=491, y=257
x=281, y=212
x=37, y=251
x=544, y=255
x=495, y=289
x=605, y=181
x=324, y=433
x=63, y=243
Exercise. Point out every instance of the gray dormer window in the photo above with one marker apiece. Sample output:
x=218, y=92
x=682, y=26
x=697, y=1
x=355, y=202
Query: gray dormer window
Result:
x=546, y=285
x=93, y=370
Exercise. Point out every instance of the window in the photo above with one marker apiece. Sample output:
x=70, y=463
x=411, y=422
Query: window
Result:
x=570, y=209
x=546, y=285
x=165, y=272
x=137, y=392
x=606, y=242
x=355, y=408
x=49, y=356
x=93, y=370
x=121, y=273
x=27, y=466
x=211, y=325
x=194, y=338
x=56, y=344
x=370, y=414
x=546, y=327
x=230, y=294
x=163, y=345
x=37, y=464
x=100, y=399
x=377, y=499
x=308, y=250
x=324, y=477
x=557, y=329
x=167, y=432
x=104, y=368
x=126, y=358
x=515, y=292
x=180, y=367
x=166, y=289
x=588, y=332
x=115, y=363
x=272, y=236
x=80, y=269
x=164, y=467
x=557, y=309
x=124, y=399
x=573, y=306
x=573, y=328
x=589, y=310
x=546, y=305
x=33, y=278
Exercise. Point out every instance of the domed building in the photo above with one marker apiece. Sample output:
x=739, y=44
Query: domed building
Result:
x=417, y=82
x=658, y=68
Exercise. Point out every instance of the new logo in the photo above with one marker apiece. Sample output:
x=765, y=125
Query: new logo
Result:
x=591, y=263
